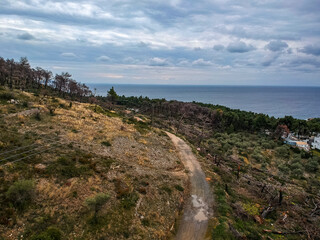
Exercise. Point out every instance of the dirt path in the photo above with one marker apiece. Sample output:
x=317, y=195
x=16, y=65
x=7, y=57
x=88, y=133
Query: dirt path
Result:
x=197, y=211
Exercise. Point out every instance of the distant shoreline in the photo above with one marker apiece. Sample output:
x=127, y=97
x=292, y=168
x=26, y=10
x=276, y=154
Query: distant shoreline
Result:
x=276, y=101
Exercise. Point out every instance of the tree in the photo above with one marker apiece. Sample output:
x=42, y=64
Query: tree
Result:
x=312, y=165
x=281, y=130
x=96, y=203
x=112, y=95
x=61, y=81
x=47, y=77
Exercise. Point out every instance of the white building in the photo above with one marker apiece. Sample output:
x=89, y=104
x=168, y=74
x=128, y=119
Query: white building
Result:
x=305, y=146
x=316, y=143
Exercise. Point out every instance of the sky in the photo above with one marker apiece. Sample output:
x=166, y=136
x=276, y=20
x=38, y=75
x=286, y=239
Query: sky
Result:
x=203, y=42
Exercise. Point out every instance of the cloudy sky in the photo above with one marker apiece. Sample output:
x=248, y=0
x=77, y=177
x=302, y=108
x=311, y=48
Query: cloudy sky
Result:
x=253, y=42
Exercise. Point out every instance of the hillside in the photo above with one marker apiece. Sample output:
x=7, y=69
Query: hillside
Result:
x=263, y=188
x=76, y=171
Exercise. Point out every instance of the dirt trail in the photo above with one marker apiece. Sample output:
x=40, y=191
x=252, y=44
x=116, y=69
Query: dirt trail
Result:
x=198, y=209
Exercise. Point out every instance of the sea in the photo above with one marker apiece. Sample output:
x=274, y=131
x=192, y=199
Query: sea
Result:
x=299, y=102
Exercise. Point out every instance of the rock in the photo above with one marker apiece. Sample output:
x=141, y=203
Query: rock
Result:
x=40, y=167
x=138, y=119
x=258, y=219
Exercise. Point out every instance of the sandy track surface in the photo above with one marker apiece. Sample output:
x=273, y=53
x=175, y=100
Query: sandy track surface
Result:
x=198, y=209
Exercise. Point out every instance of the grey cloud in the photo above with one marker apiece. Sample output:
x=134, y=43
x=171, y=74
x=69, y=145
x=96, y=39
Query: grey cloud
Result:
x=133, y=32
x=311, y=49
x=218, y=47
x=143, y=44
x=158, y=62
x=130, y=60
x=276, y=46
x=239, y=47
x=269, y=59
x=303, y=63
x=25, y=36
x=201, y=62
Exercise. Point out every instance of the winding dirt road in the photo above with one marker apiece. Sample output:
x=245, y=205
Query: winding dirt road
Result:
x=198, y=209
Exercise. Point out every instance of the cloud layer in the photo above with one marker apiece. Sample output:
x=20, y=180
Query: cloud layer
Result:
x=273, y=42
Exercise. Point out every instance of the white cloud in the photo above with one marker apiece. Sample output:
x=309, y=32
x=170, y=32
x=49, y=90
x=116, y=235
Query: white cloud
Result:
x=104, y=59
x=201, y=62
x=68, y=55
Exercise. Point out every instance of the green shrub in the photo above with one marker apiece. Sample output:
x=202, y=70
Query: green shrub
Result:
x=106, y=143
x=258, y=157
x=25, y=104
x=221, y=232
x=66, y=167
x=129, y=200
x=52, y=233
x=282, y=152
x=284, y=169
x=166, y=189
x=145, y=222
x=21, y=193
x=38, y=116
x=95, y=203
x=179, y=188
x=312, y=165
x=6, y=96
x=297, y=173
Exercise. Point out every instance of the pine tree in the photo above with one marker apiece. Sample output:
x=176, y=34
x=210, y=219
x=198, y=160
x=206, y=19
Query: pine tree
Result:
x=112, y=95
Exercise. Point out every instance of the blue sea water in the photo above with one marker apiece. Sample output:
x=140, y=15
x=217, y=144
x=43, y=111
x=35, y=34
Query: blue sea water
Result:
x=299, y=102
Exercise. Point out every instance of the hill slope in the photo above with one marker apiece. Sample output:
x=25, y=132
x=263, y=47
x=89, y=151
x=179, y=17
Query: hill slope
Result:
x=70, y=153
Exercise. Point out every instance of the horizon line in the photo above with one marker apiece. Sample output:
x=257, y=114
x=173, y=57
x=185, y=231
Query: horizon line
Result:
x=205, y=85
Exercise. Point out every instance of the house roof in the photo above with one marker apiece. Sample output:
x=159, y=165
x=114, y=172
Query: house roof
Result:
x=302, y=143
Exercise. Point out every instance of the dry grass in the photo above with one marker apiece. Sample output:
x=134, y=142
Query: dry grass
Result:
x=144, y=162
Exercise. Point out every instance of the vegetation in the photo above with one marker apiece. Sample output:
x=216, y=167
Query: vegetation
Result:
x=21, y=193
x=263, y=188
x=20, y=75
x=73, y=152
x=96, y=203
x=52, y=233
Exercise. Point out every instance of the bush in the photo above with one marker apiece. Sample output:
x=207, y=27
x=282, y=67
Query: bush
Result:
x=38, y=116
x=106, y=143
x=283, y=168
x=25, y=104
x=282, y=152
x=6, y=96
x=95, y=203
x=52, y=233
x=297, y=173
x=312, y=165
x=66, y=167
x=21, y=193
x=129, y=200
x=179, y=188
x=258, y=157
